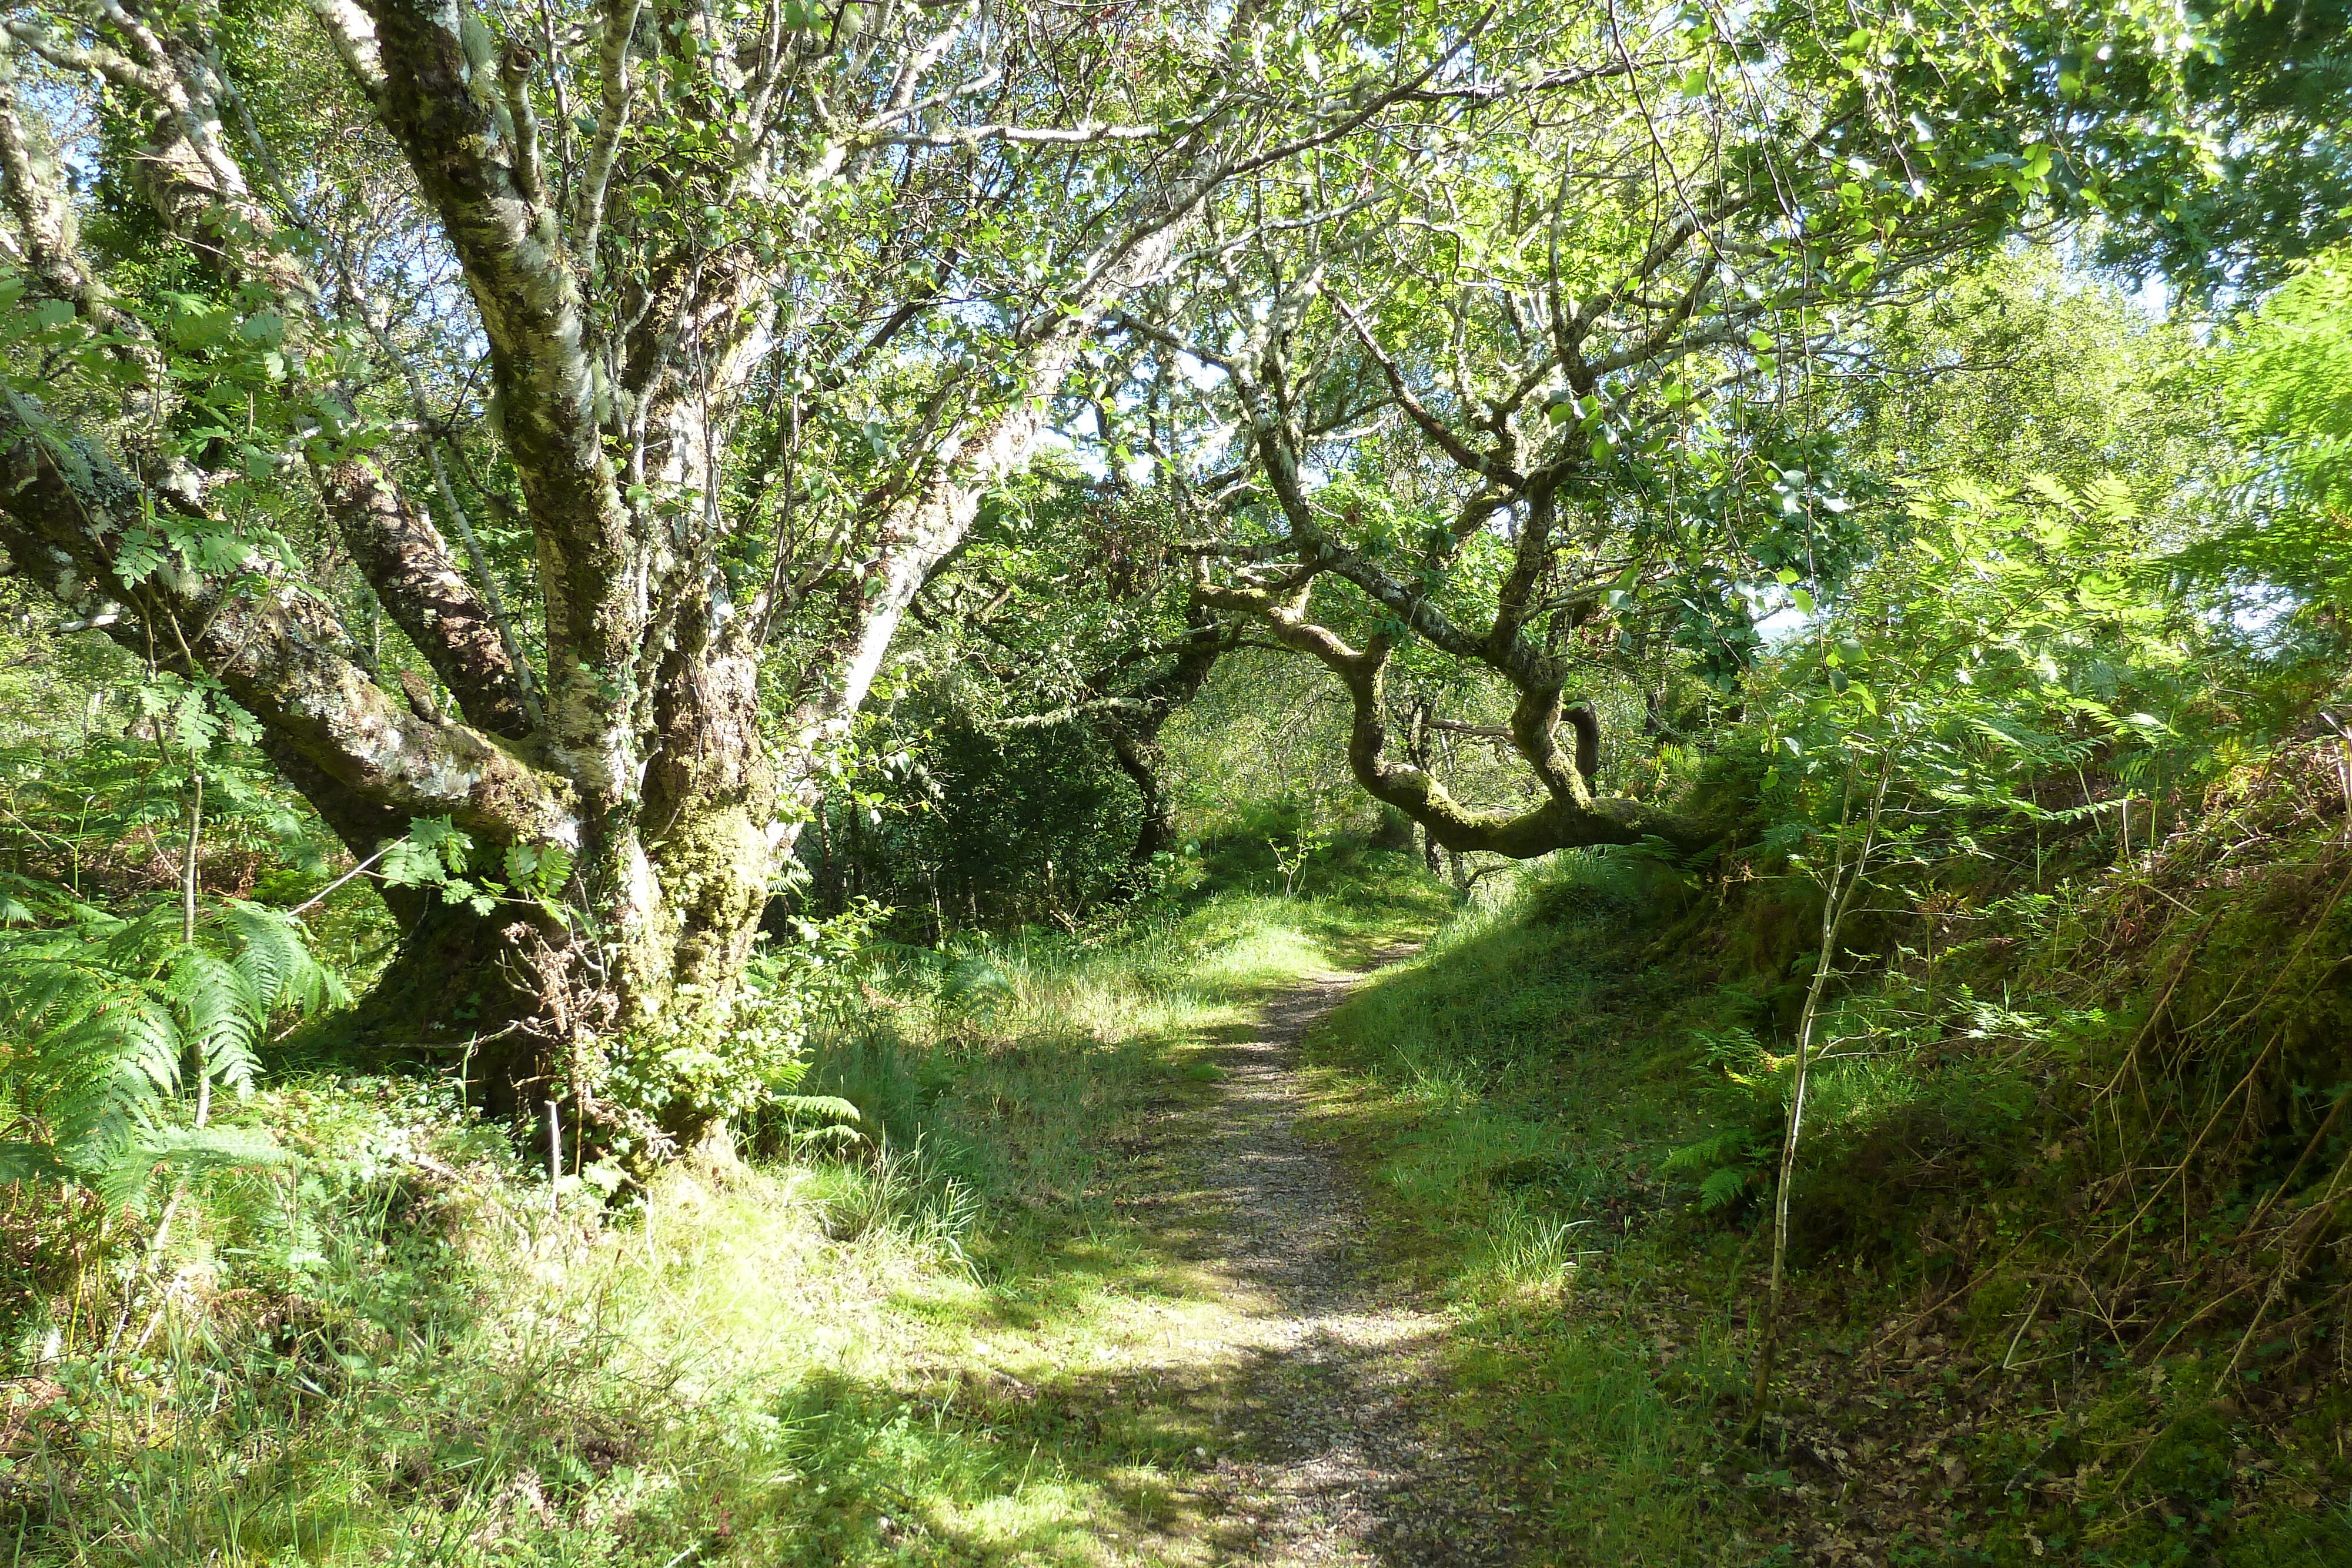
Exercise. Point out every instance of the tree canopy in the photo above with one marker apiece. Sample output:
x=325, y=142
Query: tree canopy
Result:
x=558, y=444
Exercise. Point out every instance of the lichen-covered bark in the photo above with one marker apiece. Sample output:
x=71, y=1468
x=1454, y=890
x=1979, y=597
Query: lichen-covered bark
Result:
x=709, y=803
x=417, y=576
x=592, y=559
x=65, y=508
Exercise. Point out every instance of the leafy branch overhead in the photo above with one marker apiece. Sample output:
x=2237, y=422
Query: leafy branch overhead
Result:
x=1540, y=411
x=609, y=355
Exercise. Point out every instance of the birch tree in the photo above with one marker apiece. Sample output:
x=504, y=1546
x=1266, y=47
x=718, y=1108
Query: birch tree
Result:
x=733, y=310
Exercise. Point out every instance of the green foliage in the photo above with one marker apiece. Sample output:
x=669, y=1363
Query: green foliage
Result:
x=2216, y=142
x=437, y=854
x=2000, y=639
x=961, y=823
x=111, y=1022
x=985, y=791
x=2273, y=559
x=2287, y=372
x=1735, y=1162
x=738, y=1062
x=98, y=818
x=2022, y=364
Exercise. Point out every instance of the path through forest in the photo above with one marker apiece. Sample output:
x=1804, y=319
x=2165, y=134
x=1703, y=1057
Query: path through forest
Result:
x=1322, y=1383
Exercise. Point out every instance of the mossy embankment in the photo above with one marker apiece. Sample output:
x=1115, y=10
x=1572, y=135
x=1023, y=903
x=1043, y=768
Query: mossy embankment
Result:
x=2070, y=1223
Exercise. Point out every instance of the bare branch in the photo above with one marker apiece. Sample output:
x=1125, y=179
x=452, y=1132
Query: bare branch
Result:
x=611, y=120
x=1486, y=467
x=354, y=36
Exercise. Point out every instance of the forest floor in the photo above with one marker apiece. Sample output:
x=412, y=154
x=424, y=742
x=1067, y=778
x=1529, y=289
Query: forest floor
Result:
x=1204, y=1247
x=1318, y=1379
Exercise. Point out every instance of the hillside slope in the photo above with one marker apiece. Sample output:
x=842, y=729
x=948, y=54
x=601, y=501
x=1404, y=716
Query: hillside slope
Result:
x=2069, y=1228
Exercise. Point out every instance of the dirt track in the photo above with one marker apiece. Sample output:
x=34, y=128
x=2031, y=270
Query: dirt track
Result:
x=1328, y=1384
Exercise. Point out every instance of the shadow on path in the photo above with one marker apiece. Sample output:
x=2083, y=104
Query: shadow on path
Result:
x=1325, y=1390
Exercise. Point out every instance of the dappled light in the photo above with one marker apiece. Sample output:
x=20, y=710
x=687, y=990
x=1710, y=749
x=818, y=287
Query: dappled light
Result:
x=1016, y=784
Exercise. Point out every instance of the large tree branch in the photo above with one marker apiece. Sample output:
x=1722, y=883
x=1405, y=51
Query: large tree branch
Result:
x=593, y=573
x=68, y=507
x=616, y=95
x=1571, y=815
x=406, y=560
x=197, y=189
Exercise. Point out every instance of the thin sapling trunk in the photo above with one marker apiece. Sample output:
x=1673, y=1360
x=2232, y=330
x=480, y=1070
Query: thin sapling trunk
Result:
x=188, y=874
x=1845, y=876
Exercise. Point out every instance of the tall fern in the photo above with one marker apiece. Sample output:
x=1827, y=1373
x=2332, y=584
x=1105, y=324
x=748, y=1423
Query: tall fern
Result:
x=107, y=1025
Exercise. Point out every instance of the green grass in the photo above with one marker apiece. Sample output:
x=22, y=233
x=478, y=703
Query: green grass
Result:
x=1524, y=1098
x=1500, y=1091
x=926, y=1352
x=956, y=1344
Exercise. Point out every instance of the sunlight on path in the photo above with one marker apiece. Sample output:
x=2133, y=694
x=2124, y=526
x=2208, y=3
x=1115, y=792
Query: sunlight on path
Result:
x=1318, y=1394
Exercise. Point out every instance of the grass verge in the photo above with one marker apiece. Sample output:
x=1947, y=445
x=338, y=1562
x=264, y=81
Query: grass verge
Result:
x=1567, y=1107
x=399, y=1347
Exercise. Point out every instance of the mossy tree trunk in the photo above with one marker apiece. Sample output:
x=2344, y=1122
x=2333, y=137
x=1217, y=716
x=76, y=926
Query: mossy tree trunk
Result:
x=628, y=350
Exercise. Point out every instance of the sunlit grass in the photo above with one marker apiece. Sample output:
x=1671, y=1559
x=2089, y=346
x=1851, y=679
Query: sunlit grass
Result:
x=1495, y=1093
x=945, y=1348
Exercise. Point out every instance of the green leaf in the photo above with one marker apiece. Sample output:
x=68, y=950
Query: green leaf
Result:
x=1722, y=1189
x=818, y=1108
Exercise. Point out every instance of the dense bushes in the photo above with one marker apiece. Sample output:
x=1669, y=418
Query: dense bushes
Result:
x=960, y=827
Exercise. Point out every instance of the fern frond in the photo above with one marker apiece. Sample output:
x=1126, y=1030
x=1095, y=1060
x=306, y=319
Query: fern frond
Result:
x=220, y=1014
x=101, y=1020
x=277, y=961
x=97, y=1051
x=131, y=1168
x=974, y=978
x=134, y=946
x=130, y=1053
x=1707, y=1152
x=817, y=1107
x=1722, y=1189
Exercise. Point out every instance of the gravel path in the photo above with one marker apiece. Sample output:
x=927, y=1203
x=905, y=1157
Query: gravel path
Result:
x=1332, y=1394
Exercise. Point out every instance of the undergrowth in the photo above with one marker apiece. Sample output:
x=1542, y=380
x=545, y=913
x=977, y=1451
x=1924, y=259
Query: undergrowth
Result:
x=396, y=1344
x=2071, y=1232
